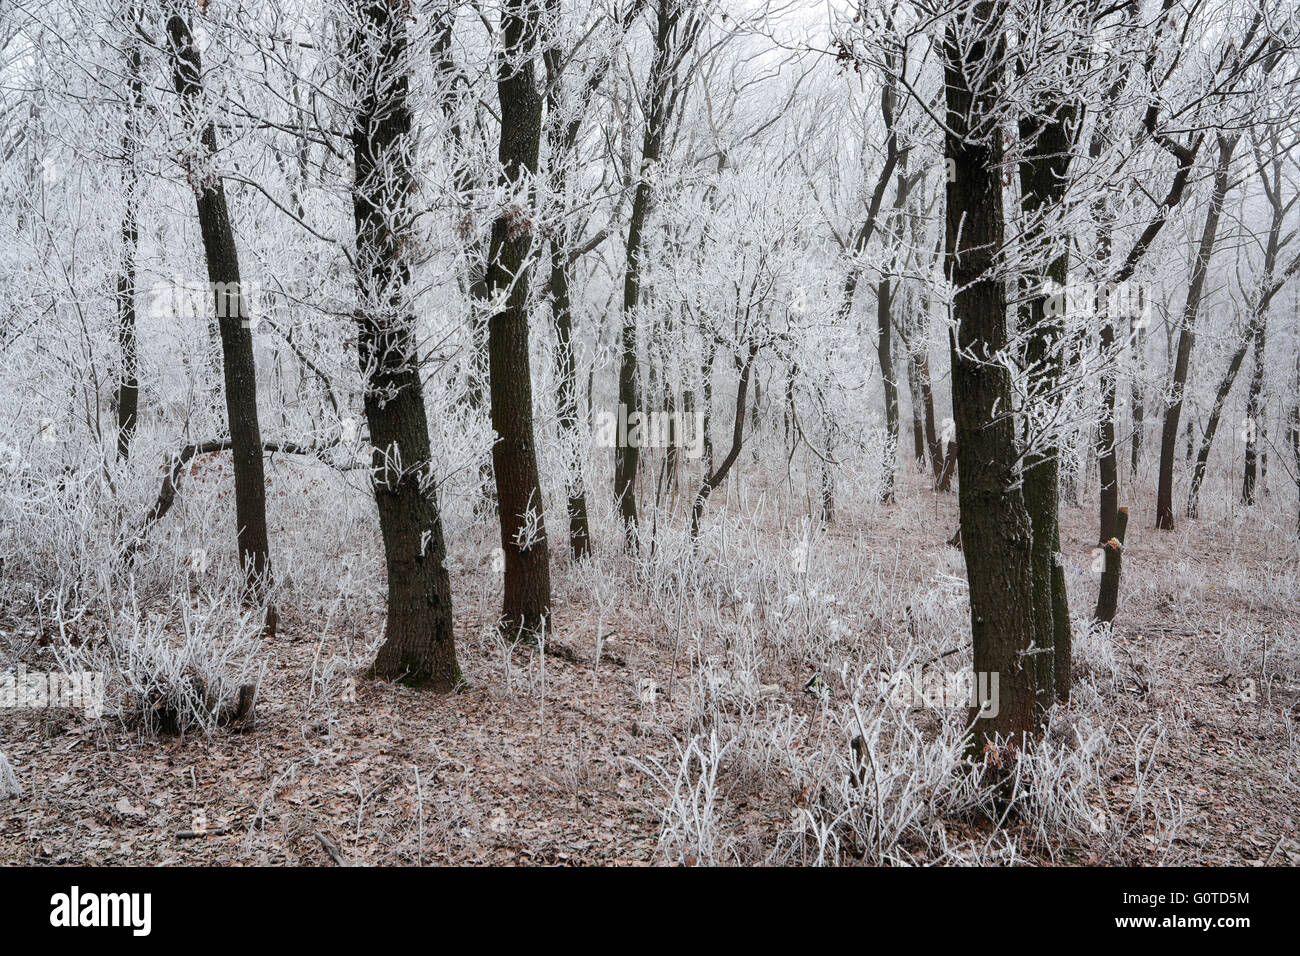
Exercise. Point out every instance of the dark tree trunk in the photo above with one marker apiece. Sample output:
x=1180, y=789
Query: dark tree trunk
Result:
x=562, y=314
x=1255, y=426
x=453, y=90
x=885, y=297
x=1216, y=413
x=716, y=477
x=562, y=139
x=918, y=424
x=1044, y=175
x=1107, y=453
x=884, y=352
x=996, y=535
x=657, y=108
x=128, y=382
x=885, y=290
x=706, y=402
x=1187, y=336
x=231, y=309
x=419, y=645
x=1108, y=593
x=1293, y=432
x=514, y=456
x=1138, y=331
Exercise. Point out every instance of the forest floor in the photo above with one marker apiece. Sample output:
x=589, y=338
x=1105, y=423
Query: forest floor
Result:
x=546, y=758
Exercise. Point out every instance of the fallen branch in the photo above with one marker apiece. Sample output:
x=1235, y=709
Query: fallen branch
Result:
x=335, y=853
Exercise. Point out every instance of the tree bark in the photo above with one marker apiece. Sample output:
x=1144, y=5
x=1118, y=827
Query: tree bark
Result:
x=232, y=313
x=128, y=382
x=1044, y=176
x=1187, y=335
x=657, y=107
x=419, y=645
x=1108, y=593
x=1254, y=429
x=996, y=535
x=514, y=456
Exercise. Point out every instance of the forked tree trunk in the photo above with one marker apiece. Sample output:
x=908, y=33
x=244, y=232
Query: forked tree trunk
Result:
x=514, y=456
x=719, y=475
x=657, y=113
x=231, y=309
x=1216, y=412
x=1187, y=335
x=996, y=535
x=419, y=646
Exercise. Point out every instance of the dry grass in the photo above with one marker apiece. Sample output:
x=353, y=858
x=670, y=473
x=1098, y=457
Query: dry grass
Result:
x=672, y=718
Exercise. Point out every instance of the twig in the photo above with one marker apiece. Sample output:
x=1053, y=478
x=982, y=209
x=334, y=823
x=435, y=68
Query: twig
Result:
x=335, y=854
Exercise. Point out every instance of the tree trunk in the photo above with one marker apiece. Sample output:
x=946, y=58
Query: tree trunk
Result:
x=656, y=107
x=514, y=456
x=1138, y=331
x=884, y=352
x=1254, y=426
x=1293, y=433
x=419, y=645
x=918, y=424
x=1044, y=176
x=452, y=89
x=232, y=314
x=128, y=383
x=715, y=478
x=1187, y=335
x=996, y=535
x=1108, y=593
x=1216, y=411
x=562, y=139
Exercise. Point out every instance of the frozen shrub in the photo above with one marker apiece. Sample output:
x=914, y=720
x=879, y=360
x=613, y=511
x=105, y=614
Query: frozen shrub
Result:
x=176, y=683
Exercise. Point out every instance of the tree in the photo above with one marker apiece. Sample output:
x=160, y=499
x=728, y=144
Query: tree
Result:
x=1227, y=143
x=996, y=534
x=128, y=383
x=677, y=27
x=231, y=308
x=564, y=116
x=510, y=262
x=1047, y=132
x=419, y=646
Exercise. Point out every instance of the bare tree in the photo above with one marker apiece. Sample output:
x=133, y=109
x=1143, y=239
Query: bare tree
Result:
x=510, y=263
x=996, y=534
x=419, y=645
x=231, y=308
